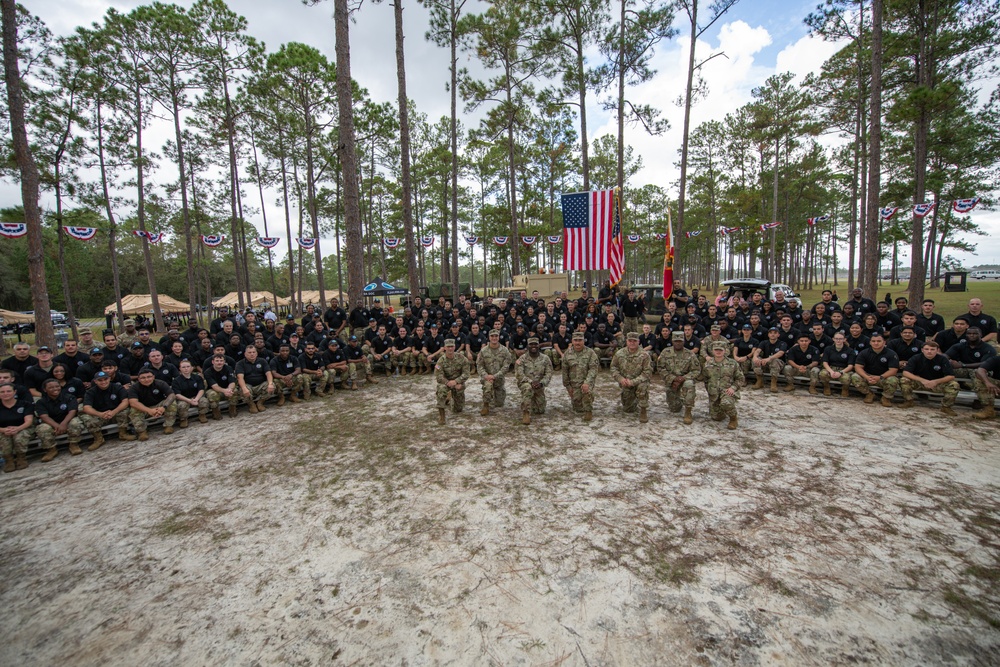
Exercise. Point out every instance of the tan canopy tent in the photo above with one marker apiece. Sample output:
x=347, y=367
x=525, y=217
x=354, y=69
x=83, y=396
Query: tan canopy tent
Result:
x=312, y=296
x=142, y=304
x=13, y=317
x=232, y=300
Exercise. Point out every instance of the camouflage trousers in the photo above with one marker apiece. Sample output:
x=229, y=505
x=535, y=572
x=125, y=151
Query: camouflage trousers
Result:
x=721, y=404
x=554, y=358
x=845, y=379
x=581, y=402
x=404, y=360
x=964, y=373
x=746, y=366
x=948, y=391
x=630, y=325
x=684, y=395
x=47, y=434
x=323, y=380
x=298, y=384
x=983, y=392
x=257, y=392
x=604, y=352
x=532, y=400
x=137, y=418
x=888, y=385
x=95, y=424
x=215, y=397
x=636, y=396
x=494, y=393
x=184, y=409
x=359, y=371
x=17, y=443
x=790, y=372
x=773, y=367
x=445, y=393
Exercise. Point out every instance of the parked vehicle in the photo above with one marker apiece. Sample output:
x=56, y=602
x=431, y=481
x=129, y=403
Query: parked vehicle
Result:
x=985, y=274
x=747, y=286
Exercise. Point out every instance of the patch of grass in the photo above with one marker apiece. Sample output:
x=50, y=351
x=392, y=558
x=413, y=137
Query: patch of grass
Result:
x=970, y=606
x=186, y=522
x=772, y=583
x=677, y=571
x=990, y=574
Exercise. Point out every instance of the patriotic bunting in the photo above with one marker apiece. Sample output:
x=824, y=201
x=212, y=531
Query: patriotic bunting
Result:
x=965, y=205
x=727, y=231
x=920, y=210
x=13, y=230
x=887, y=212
x=501, y=240
x=769, y=225
x=633, y=238
x=660, y=237
x=553, y=239
x=472, y=240
x=691, y=235
x=427, y=241
x=212, y=240
x=391, y=242
x=268, y=241
x=81, y=233
x=307, y=243
x=813, y=221
x=528, y=240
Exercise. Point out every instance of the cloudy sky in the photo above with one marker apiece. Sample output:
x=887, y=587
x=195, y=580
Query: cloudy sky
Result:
x=759, y=38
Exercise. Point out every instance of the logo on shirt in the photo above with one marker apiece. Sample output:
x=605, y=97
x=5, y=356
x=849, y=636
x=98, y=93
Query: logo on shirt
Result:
x=63, y=406
x=937, y=367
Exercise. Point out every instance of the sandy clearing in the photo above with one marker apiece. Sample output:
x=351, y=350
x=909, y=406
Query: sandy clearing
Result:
x=354, y=530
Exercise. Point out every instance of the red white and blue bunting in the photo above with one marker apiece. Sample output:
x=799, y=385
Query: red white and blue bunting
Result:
x=152, y=237
x=81, y=233
x=268, y=241
x=427, y=241
x=769, y=225
x=501, y=240
x=472, y=240
x=812, y=222
x=887, y=212
x=391, y=242
x=528, y=240
x=554, y=239
x=307, y=243
x=965, y=205
x=13, y=230
x=920, y=210
x=633, y=238
x=212, y=240
x=691, y=235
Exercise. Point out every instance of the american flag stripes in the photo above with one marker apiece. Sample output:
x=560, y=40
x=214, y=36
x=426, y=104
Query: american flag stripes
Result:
x=589, y=222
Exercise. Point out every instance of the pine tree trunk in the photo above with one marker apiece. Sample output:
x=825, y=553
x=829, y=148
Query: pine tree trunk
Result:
x=404, y=151
x=872, y=217
x=347, y=153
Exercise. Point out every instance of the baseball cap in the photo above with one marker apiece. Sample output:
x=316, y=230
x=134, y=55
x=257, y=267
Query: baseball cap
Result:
x=449, y=342
x=332, y=341
x=716, y=327
x=747, y=326
x=533, y=339
x=136, y=345
x=354, y=339
x=494, y=332
x=129, y=322
x=100, y=374
x=97, y=350
x=84, y=330
x=677, y=335
x=44, y=348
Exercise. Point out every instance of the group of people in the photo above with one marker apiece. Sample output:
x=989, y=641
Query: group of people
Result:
x=129, y=379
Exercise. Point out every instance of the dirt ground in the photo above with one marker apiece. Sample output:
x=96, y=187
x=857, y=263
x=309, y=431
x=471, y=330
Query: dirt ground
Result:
x=353, y=530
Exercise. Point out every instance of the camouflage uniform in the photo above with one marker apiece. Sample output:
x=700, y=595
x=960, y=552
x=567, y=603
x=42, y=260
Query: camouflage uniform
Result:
x=982, y=392
x=95, y=424
x=635, y=366
x=528, y=370
x=673, y=364
x=456, y=368
x=579, y=368
x=125, y=340
x=138, y=418
x=495, y=363
x=17, y=444
x=948, y=391
x=705, y=347
x=47, y=434
x=719, y=376
x=888, y=385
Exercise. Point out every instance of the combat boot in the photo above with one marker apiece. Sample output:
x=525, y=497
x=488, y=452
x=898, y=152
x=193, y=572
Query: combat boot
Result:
x=988, y=412
x=947, y=410
x=281, y=398
x=845, y=390
x=252, y=406
x=687, y=416
x=643, y=416
x=774, y=384
x=790, y=386
x=372, y=379
x=202, y=418
x=74, y=447
x=96, y=444
x=216, y=413
x=870, y=397
x=167, y=430
x=123, y=434
x=760, y=382
x=826, y=388
x=50, y=454
x=486, y=410
x=440, y=415
x=260, y=405
x=908, y=403
x=733, y=423
x=812, y=387
x=294, y=397
x=886, y=401
x=525, y=417
x=144, y=436
x=21, y=463
x=183, y=423
x=233, y=408
x=588, y=415
x=8, y=465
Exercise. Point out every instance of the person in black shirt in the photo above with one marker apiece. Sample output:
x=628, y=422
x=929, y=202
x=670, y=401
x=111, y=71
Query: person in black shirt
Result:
x=929, y=321
x=335, y=362
x=886, y=318
x=335, y=318
x=253, y=375
x=161, y=370
x=604, y=343
x=20, y=361
x=133, y=363
x=770, y=357
x=400, y=352
x=34, y=376
x=87, y=372
x=103, y=402
x=358, y=366
x=177, y=355
x=151, y=398
x=862, y=304
x=930, y=371
x=71, y=357
x=17, y=420
x=359, y=319
x=113, y=351
x=856, y=338
x=987, y=387
x=876, y=366
x=189, y=392
x=20, y=391
x=906, y=346
x=987, y=323
x=744, y=348
x=819, y=339
x=837, y=363
x=221, y=383
x=909, y=319
x=802, y=361
x=678, y=295
x=202, y=357
x=314, y=369
x=287, y=374
x=56, y=412
x=951, y=337
x=71, y=386
x=968, y=355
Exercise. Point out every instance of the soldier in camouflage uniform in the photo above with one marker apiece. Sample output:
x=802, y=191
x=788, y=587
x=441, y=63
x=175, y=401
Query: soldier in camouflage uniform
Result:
x=533, y=372
x=129, y=336
x=492, y=363
x=723, y=379
x=680, y=369
x=579, y=371
x=451, y=373
x=631, y=368
x=714, y=336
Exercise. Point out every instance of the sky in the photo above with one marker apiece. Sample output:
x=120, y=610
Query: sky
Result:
x=758, y=37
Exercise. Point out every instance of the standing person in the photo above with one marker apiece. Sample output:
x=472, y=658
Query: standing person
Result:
x=57, y=415
x=335, y=318
x=931, y=371
x=632, y=368
x=129, y=335
x=533, y=372
x=359, y=320
x=679, y=296
x=579, y=373
x=680, y=369
x=16, y=428
x=103, y=402
x=723, y=379
x=632, y=311
x=492, y=363
x=189, y=392
x=451, y=374
x=928, y=320
x=151, y=398
x=71, y=357
x=254, y=378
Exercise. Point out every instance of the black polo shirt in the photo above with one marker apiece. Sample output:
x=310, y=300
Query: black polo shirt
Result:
x=254, y=373
x=802, y=357
x=72, y=363
x=103, y=400
x=876, y=363
x=15, y=414
x=14, y=364
x=841, y=358
x=35, y=376
x=151, y=395
x=188, y=387
x=986, y=323
x=929, y=369
x=56, y=408
x=905, y=350
x=285, y=367
x=964, y=353
x=224, y=377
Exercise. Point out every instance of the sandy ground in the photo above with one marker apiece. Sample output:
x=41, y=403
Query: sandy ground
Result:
x=352, y=530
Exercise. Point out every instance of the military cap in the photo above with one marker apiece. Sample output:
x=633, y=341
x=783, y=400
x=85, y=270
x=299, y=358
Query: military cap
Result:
x=533, y=339
x=129, y=322
x=718, y=346
x=84, y=330
x=494, y=332
x=579, y=336
x=632, y=336
x=449, y=342
x=677, y=335
x=715, y=327
x=748, y=326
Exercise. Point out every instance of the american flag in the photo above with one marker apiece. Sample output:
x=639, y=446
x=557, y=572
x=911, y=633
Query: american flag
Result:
x=589, y=221
x=617, y=259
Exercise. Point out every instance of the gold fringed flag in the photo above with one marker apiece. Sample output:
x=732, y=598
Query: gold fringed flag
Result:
x=668, y=260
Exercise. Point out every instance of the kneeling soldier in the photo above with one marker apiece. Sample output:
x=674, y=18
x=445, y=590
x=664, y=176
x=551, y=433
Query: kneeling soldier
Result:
x=104, y=401
x=579, y=372
x=533, y=372
x=631, y=368
x=149, y=397
x=680, y=369
x=57, y=412
x=451, y=374
x=493, y=361
x=930, y=370
x=723, y=379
